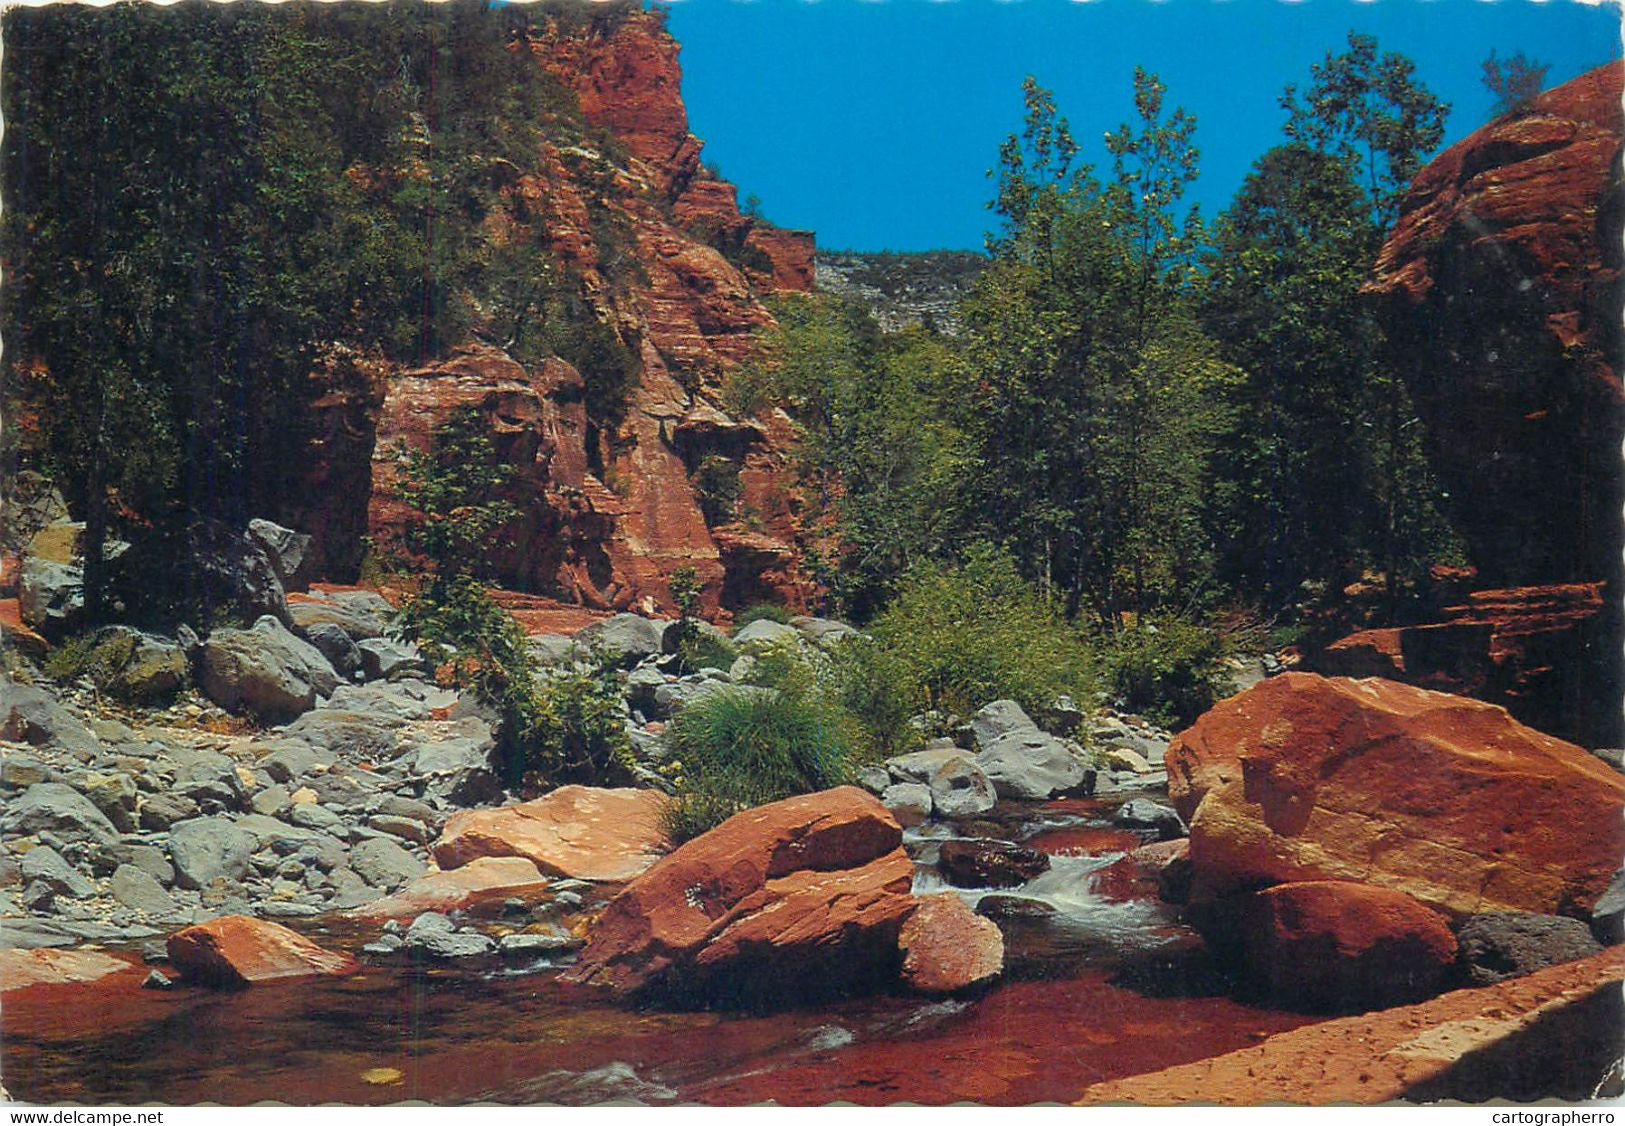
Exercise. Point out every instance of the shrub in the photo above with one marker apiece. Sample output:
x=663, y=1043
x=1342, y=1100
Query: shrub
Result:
x=879, y=690
x=762, y=612
x=579, y=730
x=979, y=632
x=706, y=651
x=71, y=659
x=740, y=748
x=1166, y=669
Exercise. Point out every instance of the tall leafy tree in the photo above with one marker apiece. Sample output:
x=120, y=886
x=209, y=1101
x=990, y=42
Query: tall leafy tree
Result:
x=1097, y=398
x=1369, y=110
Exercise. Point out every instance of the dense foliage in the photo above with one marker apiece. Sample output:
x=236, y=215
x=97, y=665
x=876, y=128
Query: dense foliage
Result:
x=201, y=200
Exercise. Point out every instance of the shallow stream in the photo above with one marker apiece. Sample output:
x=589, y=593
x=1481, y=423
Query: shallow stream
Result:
x=1109, y=985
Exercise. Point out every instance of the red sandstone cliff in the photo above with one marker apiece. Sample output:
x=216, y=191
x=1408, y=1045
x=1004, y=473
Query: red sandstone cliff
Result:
x=610, y=508
x=1501, y=283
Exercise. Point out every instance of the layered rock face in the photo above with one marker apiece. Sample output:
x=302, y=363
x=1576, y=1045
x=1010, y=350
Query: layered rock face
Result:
x=655, y=253
x=1501, y=279
x=1448, y=800
x=1540, y=652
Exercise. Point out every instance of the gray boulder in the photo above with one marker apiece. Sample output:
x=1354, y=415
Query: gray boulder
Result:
x=391, y=702
x=336, y=646
x=60, y=810
x=553, y=649
x=959, y=788
x=139, y=666
x=114, y=794
x=359, y=613
x=46, y=866
x=455, y=944
x=30, y=715
x=137, y=889
x=288, y=551
x=345, y=732
x=204, y=571
x=1494, y=947
x=875, y=779
x=460, y=767
x=627, y=638
x=1143, y=813
x=909, y=802
x=314, y=816
x=825, y=633
x=384, y=864
x=265, y=670
x=292, y=761
x=157, y=812
x=998, y=719
x=1608, y=914
x=208, y=849
x=1028, y=765
x=641, y=686
x=764, y=635
x=51, y=596
x=384, y=659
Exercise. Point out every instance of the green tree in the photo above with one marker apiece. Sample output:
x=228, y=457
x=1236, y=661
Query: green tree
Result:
x=1095, y=400
x=1369, y=110
x=1514, y=81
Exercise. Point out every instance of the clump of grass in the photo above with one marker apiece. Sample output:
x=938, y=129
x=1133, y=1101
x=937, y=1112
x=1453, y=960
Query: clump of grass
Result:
x=743, y=747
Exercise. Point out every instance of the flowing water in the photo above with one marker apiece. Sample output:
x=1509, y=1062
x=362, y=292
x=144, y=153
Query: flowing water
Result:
x=1109, y=985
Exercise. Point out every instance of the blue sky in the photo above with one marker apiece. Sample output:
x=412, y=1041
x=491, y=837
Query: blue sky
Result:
x=874, y=122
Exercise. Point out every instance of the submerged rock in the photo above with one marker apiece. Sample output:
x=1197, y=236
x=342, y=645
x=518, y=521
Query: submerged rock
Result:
x=989, y=864
x=235, y=950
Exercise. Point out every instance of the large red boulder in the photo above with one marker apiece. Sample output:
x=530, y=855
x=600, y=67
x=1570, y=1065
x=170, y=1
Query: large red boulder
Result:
x=948, y=948
x=1450, y=800
x=1331, y=944
x=800, y=897
x=580, y=832
x=236, y=950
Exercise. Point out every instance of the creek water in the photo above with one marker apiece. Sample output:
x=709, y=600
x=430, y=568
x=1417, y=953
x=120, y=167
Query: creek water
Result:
x=1108, y=985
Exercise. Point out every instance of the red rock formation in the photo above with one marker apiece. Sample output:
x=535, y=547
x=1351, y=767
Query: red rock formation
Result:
x=948, y=948
x=1447, y=799
x=1537, y=651
x=1331, y=944
x=481, y=883
x=236, y=950
x=20, y=969
x=658, y=251
x=1521, y=1039
x=578, y=832
x=1500, y=283
x=805, y=894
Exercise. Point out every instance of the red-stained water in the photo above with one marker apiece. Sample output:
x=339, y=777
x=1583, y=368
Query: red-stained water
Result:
x=1101, y=990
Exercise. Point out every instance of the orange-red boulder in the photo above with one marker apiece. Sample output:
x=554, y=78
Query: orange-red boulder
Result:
x=575, y=831
x=948, y=948
x=800, y=897
x=1331, y=944
x=20, y=969
x=236, y=950
x=1450, y=800
x=482, y=882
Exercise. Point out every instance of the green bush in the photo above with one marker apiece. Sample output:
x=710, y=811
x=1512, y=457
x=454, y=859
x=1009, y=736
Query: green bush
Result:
x=979, y=632
x=762, y=612
x=740, y=748
x=880, y=691
x=579, y=729
x=1167, y=670
x=703, y=650
x=71, y=659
